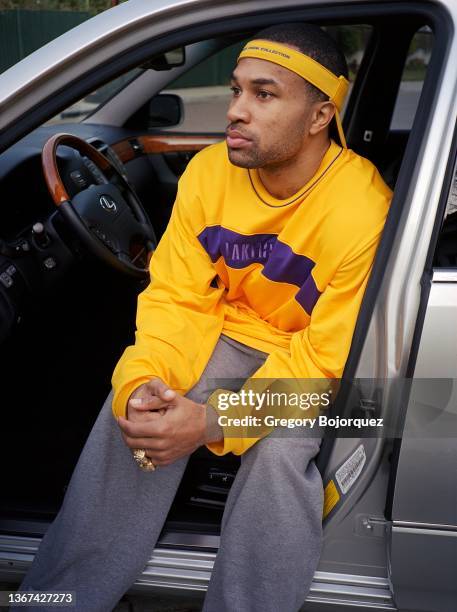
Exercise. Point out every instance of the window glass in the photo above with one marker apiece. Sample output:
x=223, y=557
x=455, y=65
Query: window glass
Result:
x=205, y=91
x=87, y=105
x=418, y=58
x=452, y=200
x=446, y=248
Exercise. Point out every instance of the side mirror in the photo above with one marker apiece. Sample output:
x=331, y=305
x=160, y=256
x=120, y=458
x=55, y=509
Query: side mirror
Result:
x=165, y=110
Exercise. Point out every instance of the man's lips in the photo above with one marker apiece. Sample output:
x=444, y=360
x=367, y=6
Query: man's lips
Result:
x=236, y=140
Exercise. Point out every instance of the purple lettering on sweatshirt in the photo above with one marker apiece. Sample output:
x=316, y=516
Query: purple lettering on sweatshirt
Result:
x=280, y=263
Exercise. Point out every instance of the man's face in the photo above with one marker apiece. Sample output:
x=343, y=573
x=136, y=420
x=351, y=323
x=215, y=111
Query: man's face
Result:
x=269, y=115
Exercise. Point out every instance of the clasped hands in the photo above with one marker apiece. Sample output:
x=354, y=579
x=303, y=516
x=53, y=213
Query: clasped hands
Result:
x=165, y=424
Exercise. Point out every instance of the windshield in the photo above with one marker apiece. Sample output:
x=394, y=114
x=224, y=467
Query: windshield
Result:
x=87, y=105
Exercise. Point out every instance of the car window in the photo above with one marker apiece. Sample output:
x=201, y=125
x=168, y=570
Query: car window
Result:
x=446, y=248
x=419, y=54
x=205, y=92
x=87, y=105
x=452, y=200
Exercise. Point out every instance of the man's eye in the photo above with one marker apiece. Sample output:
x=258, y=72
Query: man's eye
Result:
x=235, y=90
x=264, y=95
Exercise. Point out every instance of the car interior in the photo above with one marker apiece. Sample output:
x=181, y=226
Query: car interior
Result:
x=68, y=310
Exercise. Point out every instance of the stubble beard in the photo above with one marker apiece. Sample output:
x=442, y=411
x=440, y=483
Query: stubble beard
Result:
x=275, y=157
x=256, y=158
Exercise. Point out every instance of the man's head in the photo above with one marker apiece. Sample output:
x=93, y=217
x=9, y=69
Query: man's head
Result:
x=275, y=114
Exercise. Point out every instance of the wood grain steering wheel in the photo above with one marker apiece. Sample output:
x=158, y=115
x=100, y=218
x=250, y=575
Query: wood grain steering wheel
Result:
x=106, y=215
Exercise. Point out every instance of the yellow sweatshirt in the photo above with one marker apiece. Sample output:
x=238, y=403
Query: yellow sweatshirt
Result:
x=286, y=277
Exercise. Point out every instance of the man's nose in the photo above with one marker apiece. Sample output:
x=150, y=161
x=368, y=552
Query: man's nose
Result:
x=238, y=110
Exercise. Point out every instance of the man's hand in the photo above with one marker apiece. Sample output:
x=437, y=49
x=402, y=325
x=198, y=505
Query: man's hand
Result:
x=166, y=434
x=149, y=401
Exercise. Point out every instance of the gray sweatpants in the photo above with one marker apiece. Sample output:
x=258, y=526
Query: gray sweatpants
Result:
x=113, y=513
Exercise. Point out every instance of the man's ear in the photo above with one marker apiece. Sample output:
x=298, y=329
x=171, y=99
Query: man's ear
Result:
x=322, y=115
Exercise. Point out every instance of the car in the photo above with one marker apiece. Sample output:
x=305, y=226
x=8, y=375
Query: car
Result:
x=108, y=115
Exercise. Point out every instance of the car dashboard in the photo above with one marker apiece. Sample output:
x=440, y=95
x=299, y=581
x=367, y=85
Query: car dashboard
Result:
x=36, y=248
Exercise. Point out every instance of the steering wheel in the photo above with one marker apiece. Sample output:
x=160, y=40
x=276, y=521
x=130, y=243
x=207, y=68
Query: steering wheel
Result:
x=107, y=217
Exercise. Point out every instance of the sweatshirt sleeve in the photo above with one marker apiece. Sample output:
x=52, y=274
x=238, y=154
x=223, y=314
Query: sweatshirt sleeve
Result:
x=180, y=314
x=319, y=351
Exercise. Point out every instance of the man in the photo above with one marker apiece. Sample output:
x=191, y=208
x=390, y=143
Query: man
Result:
x=260, y=275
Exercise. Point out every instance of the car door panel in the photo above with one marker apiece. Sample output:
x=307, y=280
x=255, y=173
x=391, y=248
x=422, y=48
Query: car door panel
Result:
x=423, y=546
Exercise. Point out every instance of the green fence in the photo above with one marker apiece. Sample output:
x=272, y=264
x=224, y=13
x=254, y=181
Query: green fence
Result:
x=22, y=31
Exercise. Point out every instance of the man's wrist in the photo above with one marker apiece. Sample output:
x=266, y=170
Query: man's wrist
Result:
x=213, y=431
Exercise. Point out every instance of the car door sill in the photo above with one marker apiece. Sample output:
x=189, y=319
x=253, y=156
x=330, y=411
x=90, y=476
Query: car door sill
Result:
x=183, y=569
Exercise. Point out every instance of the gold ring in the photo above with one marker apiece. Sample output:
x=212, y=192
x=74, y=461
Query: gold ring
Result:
x=139, y=454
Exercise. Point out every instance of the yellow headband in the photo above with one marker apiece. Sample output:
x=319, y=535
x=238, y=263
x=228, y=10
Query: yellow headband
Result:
x=335, y=87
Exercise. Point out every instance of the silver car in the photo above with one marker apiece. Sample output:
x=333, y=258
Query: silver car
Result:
x=123, y=101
